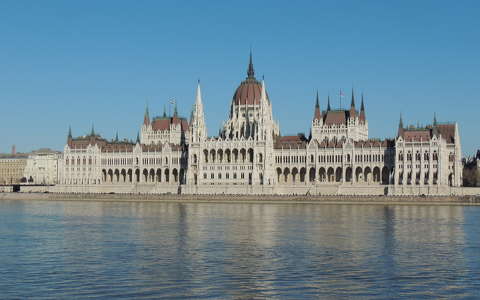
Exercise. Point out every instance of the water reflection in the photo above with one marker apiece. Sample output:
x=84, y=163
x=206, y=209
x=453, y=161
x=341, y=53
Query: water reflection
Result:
x=238, y=251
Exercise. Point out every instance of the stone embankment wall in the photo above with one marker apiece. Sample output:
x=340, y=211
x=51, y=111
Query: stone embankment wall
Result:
x=293, y=190
x=338, y=199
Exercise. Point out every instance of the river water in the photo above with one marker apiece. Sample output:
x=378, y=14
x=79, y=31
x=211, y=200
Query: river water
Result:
x=76, y=250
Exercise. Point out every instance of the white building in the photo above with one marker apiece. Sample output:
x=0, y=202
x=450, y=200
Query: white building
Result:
x=250, y=156
x=42, y=167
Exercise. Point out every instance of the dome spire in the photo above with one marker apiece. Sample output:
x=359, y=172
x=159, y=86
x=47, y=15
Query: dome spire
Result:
x=251, y=71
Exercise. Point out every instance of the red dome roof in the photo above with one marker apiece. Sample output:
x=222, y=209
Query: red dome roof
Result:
x=249, y=92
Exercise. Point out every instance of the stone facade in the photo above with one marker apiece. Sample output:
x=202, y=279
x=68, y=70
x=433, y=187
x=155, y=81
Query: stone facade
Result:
x=250, y=156
x=12, y=168
x=42, y=167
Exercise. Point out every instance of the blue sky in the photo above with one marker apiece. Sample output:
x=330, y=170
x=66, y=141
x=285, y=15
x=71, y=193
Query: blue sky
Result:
x=81, y=62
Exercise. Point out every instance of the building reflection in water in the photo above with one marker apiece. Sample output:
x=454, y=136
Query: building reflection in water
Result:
x=256, y=250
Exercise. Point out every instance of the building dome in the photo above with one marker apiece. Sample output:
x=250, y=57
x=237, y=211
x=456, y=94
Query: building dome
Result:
x=250, y=90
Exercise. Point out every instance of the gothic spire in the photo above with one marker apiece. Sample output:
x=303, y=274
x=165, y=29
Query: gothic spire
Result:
x=175, y=111
x=328, y=105
x=198, y=118
x=198, y=96
x=352, y=104
x=92, y=133
x=116, y=137
x=164, y=111
x=362, y=110
x=251, y=71
x=434, y=119
x=317, y=115
x=263, y=95
x=400, y=125
x=146, y=117
x=138, y=138
x=69, y=132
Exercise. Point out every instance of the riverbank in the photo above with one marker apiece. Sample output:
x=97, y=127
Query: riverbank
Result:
x=274, y=199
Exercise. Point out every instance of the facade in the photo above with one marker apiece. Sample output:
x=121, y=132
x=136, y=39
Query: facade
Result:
x=250, y=156
x=12, y=168
x=42, y=167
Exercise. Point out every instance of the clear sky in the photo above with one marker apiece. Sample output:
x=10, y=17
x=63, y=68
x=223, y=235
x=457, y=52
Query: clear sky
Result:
x=81, y=62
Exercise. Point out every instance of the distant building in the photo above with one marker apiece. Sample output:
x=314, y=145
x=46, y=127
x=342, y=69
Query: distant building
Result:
x=42, y=167
x=251, y=156
x=12, y=168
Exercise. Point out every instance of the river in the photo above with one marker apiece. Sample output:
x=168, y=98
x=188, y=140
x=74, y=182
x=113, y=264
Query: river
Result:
x=127, y=250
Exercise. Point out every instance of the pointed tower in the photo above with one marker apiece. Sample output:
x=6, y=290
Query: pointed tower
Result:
x=317, y=122
x=435, y=130
x=164, y=111
x=362, y=111
x=175, y=110
x=329, y=108
x=250, y=71
x=92, y=132
x=116, y=137
x=197, y=124
x=69, y=133
x=352, y=107
x=138, y=138
x=146, y=117
x=317, y=115
x=400, y=126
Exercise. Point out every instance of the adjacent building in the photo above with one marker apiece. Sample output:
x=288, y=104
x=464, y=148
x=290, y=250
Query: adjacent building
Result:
x=12, y=167
x=173, y=154
x=42, y=167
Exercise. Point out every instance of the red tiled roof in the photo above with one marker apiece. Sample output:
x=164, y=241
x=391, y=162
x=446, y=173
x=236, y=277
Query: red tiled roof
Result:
x=447, y=131
x=336, y=117
x=416, y=135
x=84, y=141
x=317, y=115
x=118, y=147
x=164, y=123
x=249, y=92
x=292, y=141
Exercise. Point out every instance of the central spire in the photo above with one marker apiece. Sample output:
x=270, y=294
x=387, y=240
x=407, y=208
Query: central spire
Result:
x=251, y=71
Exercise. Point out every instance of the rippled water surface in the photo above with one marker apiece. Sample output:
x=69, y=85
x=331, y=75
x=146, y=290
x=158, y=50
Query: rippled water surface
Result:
x=237, y=251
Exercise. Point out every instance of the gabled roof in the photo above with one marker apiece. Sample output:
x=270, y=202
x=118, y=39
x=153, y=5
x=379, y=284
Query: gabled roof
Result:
x=163, y=123
x=290, y=141
x=415, y=134
x=447, y=131
x=336, y=117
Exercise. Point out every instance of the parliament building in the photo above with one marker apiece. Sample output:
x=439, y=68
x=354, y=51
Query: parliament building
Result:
x=173, y=154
